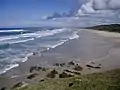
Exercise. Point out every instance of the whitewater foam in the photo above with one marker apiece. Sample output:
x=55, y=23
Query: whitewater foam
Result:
x=9, y=67
x=59, y=44
x=19, y=30
x=37, y=34
x=21, y=41
x=26, y=58
x=74, y=36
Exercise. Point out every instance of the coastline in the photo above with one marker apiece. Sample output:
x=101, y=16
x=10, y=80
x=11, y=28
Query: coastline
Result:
x=87, y=48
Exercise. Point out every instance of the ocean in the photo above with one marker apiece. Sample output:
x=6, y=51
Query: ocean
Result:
x=17, y=44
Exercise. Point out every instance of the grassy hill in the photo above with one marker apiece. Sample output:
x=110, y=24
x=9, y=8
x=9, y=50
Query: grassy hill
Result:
x=100, y=81
x=110, y=28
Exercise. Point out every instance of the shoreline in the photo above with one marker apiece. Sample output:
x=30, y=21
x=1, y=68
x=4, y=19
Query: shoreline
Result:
x=36, y=53
x=82, y=51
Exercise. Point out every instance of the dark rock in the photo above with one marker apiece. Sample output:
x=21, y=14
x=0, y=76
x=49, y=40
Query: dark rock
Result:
x=97, y=67
x=62, y=64
x=44, y=69
x=78, y=68
x=31, y=76
x=54, y=72
x=77, y=73
x=65, y=75
x=71, y=84
x=39, y=68
x=19, y=84
x=3, y=88
x=57, y=64
x=33, y=68
x=68, y=71
x=34, y=53
x=92, y=62
x=41, y=80
x=51, y=75
x=91, y=66
x=71, y=63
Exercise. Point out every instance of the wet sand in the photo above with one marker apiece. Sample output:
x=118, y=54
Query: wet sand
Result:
x=102, y=48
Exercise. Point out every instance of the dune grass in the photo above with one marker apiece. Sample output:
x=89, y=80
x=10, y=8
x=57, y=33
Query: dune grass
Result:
x=100, y=81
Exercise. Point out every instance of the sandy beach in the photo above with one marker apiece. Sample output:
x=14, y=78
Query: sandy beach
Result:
x=94, y=51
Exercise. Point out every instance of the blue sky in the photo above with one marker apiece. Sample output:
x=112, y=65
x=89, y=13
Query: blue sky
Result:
x=28, y=13
x=16, y=12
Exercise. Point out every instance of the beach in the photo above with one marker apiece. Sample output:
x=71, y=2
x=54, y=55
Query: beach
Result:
x=94, y=51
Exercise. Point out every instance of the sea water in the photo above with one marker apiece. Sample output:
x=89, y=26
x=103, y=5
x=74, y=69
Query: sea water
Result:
x=16, y=45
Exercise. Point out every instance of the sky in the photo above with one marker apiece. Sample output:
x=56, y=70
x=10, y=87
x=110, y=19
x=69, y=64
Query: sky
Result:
x=74, y=13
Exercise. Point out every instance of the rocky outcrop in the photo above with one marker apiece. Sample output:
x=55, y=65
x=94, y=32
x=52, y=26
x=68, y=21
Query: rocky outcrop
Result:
x=42, y=80
x=91, y=66
x=32, y=69
x=52, y=74
x=3, y=88
x=59, y=64
x=18, y=85
x=65, y=75
x=31, y=76
x=78, y=68
x=73, y=72
x=54, y=71
x=37, y=68
x=70, y=84
x=94, y=65
x=71, y=63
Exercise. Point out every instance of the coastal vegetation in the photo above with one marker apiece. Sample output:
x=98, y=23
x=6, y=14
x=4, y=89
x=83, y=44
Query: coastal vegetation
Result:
x=110, y=28
x=98, y=81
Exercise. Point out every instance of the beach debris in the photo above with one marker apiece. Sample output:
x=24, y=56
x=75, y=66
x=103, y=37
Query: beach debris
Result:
x=70, y=84
x=78, y=68
x=3, y=88
x=71, y=63
x=31, y=76
x=74, y=72
x=18, y=85
x=65, y=75
x=52, y=74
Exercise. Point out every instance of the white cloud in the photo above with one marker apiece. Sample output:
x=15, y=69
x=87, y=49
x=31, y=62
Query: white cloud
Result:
x=99, y=6
x=93, y=12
